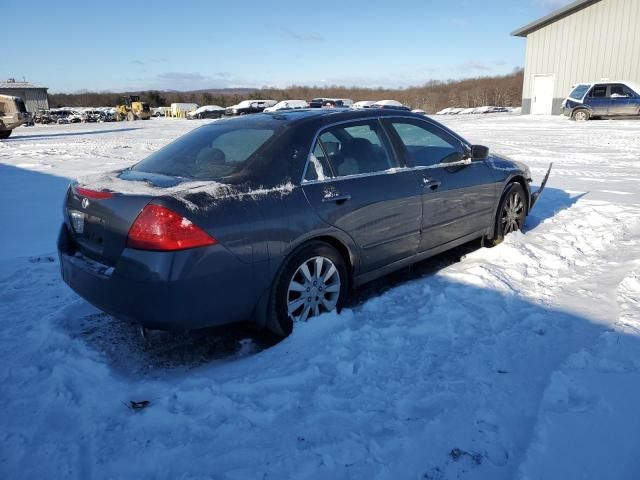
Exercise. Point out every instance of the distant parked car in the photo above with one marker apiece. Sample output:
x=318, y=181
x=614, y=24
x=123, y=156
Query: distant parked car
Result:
x=206, y=111
x=59, y=115
x=42, y=116
x=603, y=99
x=92, y=116
x=249, y=106
x=288, y=105
x=13, y=113
x=275, y=217
x=363, y=104
x=393, y=104
x=327, y=103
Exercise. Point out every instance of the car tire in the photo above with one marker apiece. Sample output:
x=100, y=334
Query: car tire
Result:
x=5, y=134
x=580, y=115
x=511, y=213
x=298, y=294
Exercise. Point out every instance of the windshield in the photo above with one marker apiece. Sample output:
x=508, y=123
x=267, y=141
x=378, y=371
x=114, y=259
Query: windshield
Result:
x=579, y=91
x=634, y=87
x=212, y=152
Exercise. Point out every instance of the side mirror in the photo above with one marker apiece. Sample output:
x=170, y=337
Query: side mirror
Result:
x=479, y=152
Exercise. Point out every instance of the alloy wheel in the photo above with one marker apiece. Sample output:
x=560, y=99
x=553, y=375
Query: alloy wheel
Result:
x=580, y=115
x=512, y=213
x=314, y=288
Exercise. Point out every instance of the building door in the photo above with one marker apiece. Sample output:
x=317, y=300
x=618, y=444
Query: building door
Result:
x=542, y=101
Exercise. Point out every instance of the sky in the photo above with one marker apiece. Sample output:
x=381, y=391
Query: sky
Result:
x=118, y=45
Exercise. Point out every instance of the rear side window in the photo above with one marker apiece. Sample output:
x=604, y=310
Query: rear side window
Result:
x=208, y=153
x=427, y=145
x=318, y=167
x=598, y=91
x=355, y=149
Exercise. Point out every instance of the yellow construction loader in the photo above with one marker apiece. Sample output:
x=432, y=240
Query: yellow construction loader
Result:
x=131, y=108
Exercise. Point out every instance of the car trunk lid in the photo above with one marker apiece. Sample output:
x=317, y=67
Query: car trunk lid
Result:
x=100, y=210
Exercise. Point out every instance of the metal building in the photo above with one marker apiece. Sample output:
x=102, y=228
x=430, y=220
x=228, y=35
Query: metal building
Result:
x=586, y=41
x=34, y=96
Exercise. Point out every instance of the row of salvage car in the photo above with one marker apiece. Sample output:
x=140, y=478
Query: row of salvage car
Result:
x=69, y=115
x=256, y=106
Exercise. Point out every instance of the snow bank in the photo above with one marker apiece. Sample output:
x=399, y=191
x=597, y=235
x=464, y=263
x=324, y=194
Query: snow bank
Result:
x=518, y=361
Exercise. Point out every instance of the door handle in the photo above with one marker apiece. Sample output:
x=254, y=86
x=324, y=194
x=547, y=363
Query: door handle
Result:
x=336, y=198
x=431, y=183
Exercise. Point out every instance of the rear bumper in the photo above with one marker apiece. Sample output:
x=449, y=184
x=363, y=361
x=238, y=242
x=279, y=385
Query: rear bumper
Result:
x=182, y=290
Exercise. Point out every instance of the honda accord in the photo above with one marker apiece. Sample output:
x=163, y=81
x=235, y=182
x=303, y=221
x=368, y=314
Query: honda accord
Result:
x=276, y=216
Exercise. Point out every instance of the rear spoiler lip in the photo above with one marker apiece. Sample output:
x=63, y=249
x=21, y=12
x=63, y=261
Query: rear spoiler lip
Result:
x=536, y=195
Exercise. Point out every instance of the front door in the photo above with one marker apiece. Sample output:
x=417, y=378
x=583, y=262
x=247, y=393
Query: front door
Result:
x=542, y=101
x=353, y=182
x=458, y=194
x=621, y=100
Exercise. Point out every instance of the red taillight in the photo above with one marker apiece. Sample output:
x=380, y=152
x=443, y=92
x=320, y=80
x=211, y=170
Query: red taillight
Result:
x=162, y=229
x=85, y=192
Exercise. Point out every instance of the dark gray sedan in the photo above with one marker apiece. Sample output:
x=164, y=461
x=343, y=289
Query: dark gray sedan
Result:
x=274, y=217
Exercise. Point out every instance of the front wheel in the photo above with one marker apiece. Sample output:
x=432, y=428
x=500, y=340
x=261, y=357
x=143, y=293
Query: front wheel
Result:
x=5, y=134
x=512, y=212
x=313, y=281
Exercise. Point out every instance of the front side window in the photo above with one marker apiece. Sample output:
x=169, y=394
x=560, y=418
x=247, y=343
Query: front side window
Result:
x=427, y=145
x=620, y=91
x=208, y=153
x=358, y=148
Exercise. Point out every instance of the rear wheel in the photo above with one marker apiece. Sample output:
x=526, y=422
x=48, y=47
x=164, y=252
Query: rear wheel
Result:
x=5, y=133
x=581, y=115
x=512, y=212
x=313, y=281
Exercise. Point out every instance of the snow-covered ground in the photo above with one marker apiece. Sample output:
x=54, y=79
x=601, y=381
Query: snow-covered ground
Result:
x=520, y=361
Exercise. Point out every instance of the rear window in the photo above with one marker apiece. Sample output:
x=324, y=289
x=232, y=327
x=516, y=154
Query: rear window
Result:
x=579, y=92
x=20, y=105
x=209, y=153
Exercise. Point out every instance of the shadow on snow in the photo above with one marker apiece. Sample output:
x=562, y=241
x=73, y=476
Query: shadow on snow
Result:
x=70, y=134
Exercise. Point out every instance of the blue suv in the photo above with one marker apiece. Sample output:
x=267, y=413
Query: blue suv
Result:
x=605, y=99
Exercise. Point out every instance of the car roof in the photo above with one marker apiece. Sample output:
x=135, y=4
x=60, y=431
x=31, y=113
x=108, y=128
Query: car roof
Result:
x=605, y=82
x=312, y=117
x=336, y=114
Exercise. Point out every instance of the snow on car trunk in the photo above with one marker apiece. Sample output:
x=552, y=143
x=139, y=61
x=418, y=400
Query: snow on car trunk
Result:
x=518, y=361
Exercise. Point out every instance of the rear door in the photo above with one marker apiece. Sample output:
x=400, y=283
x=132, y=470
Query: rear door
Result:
x=355, y=183
x=458, y=194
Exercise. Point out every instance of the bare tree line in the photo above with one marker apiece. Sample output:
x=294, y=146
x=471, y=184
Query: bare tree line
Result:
x=434, y=95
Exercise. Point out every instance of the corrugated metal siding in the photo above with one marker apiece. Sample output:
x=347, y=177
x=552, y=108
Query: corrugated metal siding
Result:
x=600, y=41
x=34, y=98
